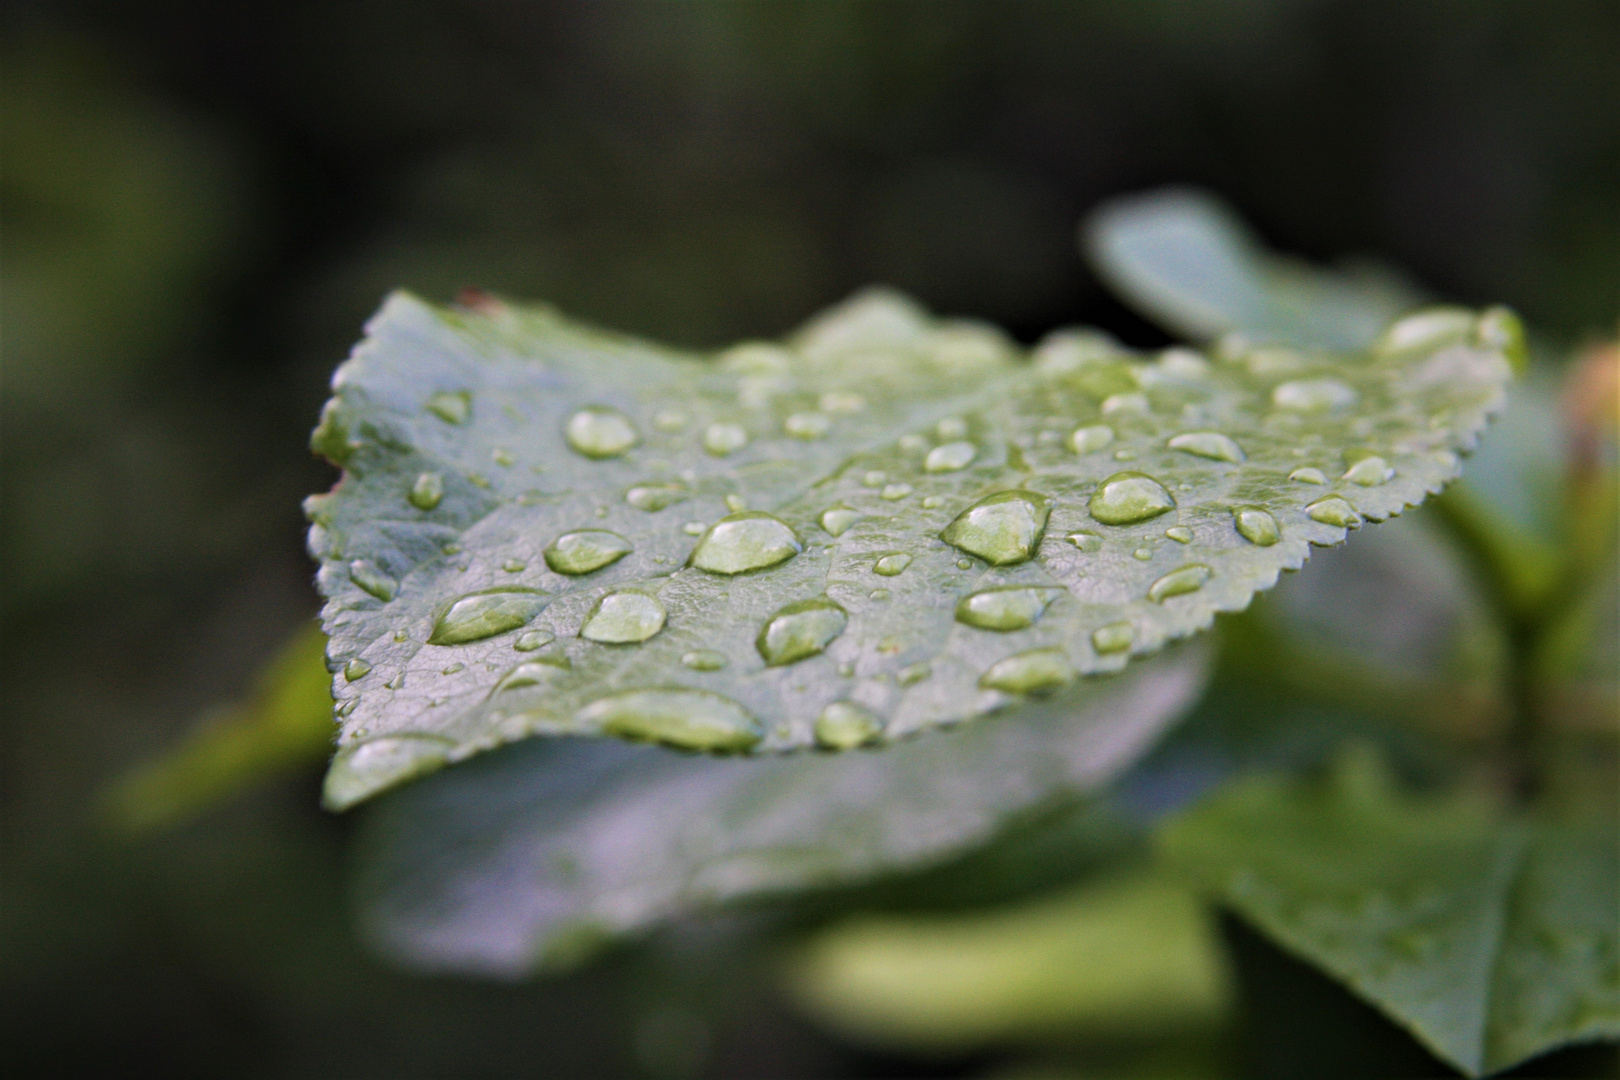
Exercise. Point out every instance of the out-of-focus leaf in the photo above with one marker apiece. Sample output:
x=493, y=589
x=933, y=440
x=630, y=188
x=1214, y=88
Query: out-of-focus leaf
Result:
x=1131, y=956
x=1490, y=940
x=534, y=854
x=284, y=724
x=887, y=524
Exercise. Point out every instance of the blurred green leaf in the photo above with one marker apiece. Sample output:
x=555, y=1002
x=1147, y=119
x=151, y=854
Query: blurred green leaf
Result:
x=1490, y=940
x=887, y=524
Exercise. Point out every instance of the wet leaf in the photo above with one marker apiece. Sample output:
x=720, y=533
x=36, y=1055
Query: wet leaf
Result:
x=1142, y=494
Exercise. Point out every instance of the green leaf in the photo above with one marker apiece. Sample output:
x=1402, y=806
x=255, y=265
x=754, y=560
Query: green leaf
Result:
x=1490, y=941
x=888, y=524
x=538, y=853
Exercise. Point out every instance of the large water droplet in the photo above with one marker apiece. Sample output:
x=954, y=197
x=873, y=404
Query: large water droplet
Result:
x=365, y=573
x=361, y=769
x=1003, y=529
x=844, y=725
x=1306, y=474
x=892, y=564
x=452, y=408
x=484, y=614
x=600, y=432
x=800, y=630
x=427, y=492
x=950, y=457
x=1113, y=638
x=703, y=660
x=1368, y=470
x=807, y=425
x=1256, y=525
x=355, y=670
x=1208, y=444
x=1129, y=497
x=751, y=540
x=1189, y=578
x=530, y=640
x=1334, y=511
x=686, y=719
x=1037, y=671
x=655, y=497
x=723, y=439
x=1094, y=437
x=1009, y=607
x=586, y=550
x=1313, y=395
x=623, y=618
x=838, y=518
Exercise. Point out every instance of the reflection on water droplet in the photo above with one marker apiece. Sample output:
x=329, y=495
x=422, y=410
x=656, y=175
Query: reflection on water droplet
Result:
x=484, y=614
x=1085, y=541
x=655, y=497
x=893, y=492
x=807, y=425
x=1113, y=638
x=364, y=573
x=1094, y=437
x=951, y=428
x=1208, y=444
x=530, y=640
x=950, y=457
x=839, y=518
x=1037, y=671
x=1369, y=471
x=452, y=408
x=1334, y=511
x=586, y=550
x=427, y=492
x=623, y=618
x=1313, y=395
x=1003, y=529
x=1180, y=534
x=600, y=432
x=844, y=725
x=361, y=769
x=356, y=669
x=1308, y=475
x=800, y=630
x=1129, y=497
x=891, y=564
x=1256, y=525
x=686, y=719
x=912, y=674
x=752, y=540
x=703, y=660
x=1009, y=607
x=723, y=439
x=1189, y=578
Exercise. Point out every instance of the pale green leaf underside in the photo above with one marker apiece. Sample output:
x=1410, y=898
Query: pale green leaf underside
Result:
x=454, y=429
x=1492, y=943
x=535, y=854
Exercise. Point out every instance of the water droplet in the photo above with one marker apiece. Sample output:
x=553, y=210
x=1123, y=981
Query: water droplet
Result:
x=892, y=564
x=950, y=457
x=703, y=660
x=655, y=497
x=1094, y=437
x=1313, y=395
x=532, y=673
x=964, y=564
x=397, y=682
x=912, y=674
x=1334, y=511
x=800, y=630
x=1124, y=455
x=836, y=401
x=364, y=573
x=933, y=502
x=686, y=719
x=874, y=478
x=723, y=439
x=837, y=519
x=844, y=725
x=1114, y=404
x=1208, y=444
x=484, y=614
x=355, y=670
x=1003, y=529
x=623, y=618
x=1256, y=525
x=1308, y=475
x=1142, y=554
x=1129, y=497
x=1037, y=671
x=362, y=769
x=807, y=425
x=669, y=420
x=1113, y=638
x=951, y=428
x=478, y=480
x=751, y=540
x=878, y=594
x=514, y=566
x=502, y=457
x=1424, y=329
x=1500, y=329
x=452, y=408
x=1009, y=607
x=694, y=528
x=452, y=669
x=427, y=492
x=736, y=503
x=400, y=635
x=586, y=550
x=1085, y=541
x=600, y=432
x=1368, y=470
x=1189, y=578
x=530, y=640
x=1180, y=534
x=893, y=492
x=913, y=443
x=348, y=707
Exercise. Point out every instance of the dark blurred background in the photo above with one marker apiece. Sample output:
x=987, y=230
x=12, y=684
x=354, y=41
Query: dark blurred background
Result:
x=201, y=203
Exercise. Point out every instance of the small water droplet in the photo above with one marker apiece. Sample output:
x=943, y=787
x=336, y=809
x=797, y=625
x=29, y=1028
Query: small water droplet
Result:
x=694, y=528
x=1499, y=328
x=1208, y=444
x=1129, y=497
x=933, y=502
x=892, y=564
x=1093, y=437
x=348, y=707
x=1085, y=541
x=1008, y=607
x=890, y=645
x=1002, y=529
x=364, y=768
x=736, y=503
x=452, y=408
x=530, y=640
x=1189, y=578
x=800, y=630
x=912, y=674
x=723, y=439
x=355, y=670
x=427, y=492
x=532, y=673
x=478, y=480
x=1423, y=329
x=912, y=444
x=1334, y=510
x=1036, y=671
x=484, y=614
x=452, y=669
x=364, y=573
x=586, y=550
x=894, y=492
x=397, y=682
x=835, y=520
x=1257, y=526
x=1113, y=638
x=874, y=478
x=1114, y=404
x=844, y=725
x=400, y=635
x=514, y=566
x=950, y=428
x=655, y=497
x=669, y=420
x=623, y=618
x=686, y=719
x=1368, y=470
x=752, y=540
x=964, y=564
x=878, y=594
x=451, y=549
x=1313, y=395
x=950, y=457
x=839, y=401
x=1180, y=534
x=502, y=457
x=600, y=432
x=807, y=425
x=1308, y=475
x=703, y=660
x=1142, y=554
